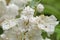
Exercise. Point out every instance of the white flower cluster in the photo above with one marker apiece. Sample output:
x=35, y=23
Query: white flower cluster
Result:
x=26, y=27
x=20, y=3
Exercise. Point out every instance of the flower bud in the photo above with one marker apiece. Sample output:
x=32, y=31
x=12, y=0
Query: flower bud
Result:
x=40, y=8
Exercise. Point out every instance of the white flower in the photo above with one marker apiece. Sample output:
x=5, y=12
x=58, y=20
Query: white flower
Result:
x=34, y=34
x=48, y=24
x=20, y=3
x=12, y=8
x=11, y=34
x=26, y=23
x=40, y=8
x=2, y=7
x=26, y=27
x=7, y=24
x=3, y=35
x=12, y=11
x=28, y=11
x=8, y=36
x=8, y=12
x=53, y=17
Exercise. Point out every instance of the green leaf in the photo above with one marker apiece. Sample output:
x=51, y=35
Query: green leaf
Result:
x=57, y=30
x=1, y=30
x=53, y=36
x=44, y=34
x=51, y=10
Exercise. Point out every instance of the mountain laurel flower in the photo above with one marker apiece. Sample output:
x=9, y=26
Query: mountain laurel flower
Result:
x=7, y=24
x=2, y=7
x=48, y=24
x=40, y=8
x=26, y=26
x=20, y=3
x=28, y=11
x=26, y=23
x=12, y=11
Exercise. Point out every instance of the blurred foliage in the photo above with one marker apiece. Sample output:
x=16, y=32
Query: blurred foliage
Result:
x=1, y=30
x=52, y=7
